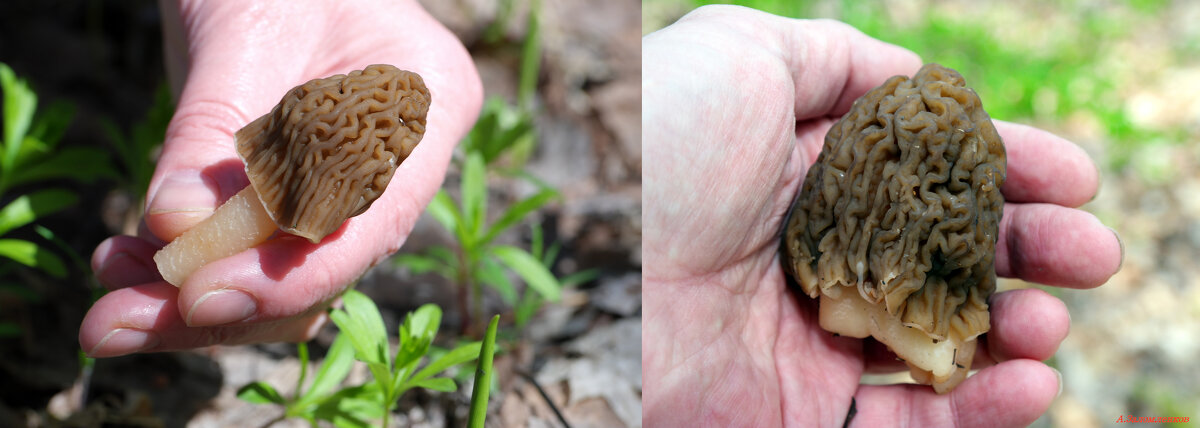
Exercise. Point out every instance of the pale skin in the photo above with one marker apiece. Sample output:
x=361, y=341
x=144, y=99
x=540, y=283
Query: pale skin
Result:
x=736, y=104
x=231, y=62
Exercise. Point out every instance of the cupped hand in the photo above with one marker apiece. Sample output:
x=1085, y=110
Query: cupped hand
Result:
x=736, y=104
x=232, y=62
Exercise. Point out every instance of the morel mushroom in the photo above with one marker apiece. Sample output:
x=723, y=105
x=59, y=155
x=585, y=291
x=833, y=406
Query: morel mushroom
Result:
x=895, y=226
x=322, y=155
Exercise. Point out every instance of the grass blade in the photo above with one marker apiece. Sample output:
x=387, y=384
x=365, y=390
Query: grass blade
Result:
x=483, y=377
x=474, y=198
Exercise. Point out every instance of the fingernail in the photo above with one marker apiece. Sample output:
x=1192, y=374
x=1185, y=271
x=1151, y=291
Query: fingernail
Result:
x=124, y=341
x=1060, y=382
x=1122, y=245
x=122, y=269
x=221, y=307
x=182, y=192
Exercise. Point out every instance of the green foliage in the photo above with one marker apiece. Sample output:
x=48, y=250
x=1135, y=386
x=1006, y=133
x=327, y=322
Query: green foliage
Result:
x=31, y=154
x=478, y=259
x=503, y=130
x=501, y=140
x=531, y=58
x=483, y=377
x=134, y=150
x=363, y=337
x=530, y=302
x=1042, y=79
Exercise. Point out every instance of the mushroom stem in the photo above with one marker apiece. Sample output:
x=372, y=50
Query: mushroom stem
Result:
x=237, y=225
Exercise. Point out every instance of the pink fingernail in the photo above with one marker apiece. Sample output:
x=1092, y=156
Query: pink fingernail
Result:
x=122, y=269
x=123, y=341
x=221, y=307
x=183, y=192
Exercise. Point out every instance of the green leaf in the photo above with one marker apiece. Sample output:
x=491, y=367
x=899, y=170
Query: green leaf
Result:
x=83, y=164
x=352, y=406
x=531, y=58
x=29, y=254
x=442, y=209
x=485, y=128
x=66, y=248
x=19, y=105
x=474, y=198
x=416, y=333
x=536, y=243
x=31, y=148
x=50, y=125
x=370, y=325
x=432, y=261
x=334, y=369
x=579, y=277
x=259, y=393
x=491, y=273
x=443, y=384
x=27, y=208
x=302, y=354
x=483, y=376
x=535, y=274
x=425, y=321
x=527, y=308
x=518, y=211
x=459, y=355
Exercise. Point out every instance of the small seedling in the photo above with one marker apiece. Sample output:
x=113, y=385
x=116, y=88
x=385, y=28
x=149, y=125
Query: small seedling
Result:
x=478, y=260
x=363, y=337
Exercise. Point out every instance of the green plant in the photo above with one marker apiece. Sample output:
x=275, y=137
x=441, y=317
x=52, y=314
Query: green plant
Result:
x=527, y=307
x=31, y=154
x=503, y=131
x=483, y=377
x=478, y=260
x=135, y=150
x=363, y=337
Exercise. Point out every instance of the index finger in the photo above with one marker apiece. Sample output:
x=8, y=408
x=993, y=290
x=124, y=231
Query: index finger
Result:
x=1043, y=167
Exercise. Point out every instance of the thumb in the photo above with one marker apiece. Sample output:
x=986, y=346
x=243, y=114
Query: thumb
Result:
x=226, y=86
x=198, y=169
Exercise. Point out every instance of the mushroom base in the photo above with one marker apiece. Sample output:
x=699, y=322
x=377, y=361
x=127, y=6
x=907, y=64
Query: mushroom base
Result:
x=235, y=226
x=941, y=363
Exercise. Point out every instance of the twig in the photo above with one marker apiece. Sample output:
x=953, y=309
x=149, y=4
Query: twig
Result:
x=529, y=378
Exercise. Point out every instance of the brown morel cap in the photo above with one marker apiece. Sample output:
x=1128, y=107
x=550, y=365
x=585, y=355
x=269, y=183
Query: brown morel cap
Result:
x=330, y=147
x=904, y=205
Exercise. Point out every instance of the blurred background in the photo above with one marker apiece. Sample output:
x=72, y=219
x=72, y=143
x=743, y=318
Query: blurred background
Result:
x=558, y=142
x=1122, y=80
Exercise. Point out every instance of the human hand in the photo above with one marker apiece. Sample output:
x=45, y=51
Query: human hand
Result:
x=239, y=59
x=736, y=106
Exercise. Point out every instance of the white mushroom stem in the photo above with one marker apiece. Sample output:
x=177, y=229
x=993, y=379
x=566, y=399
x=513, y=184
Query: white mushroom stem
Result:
x=941, y=363
x=237, y=225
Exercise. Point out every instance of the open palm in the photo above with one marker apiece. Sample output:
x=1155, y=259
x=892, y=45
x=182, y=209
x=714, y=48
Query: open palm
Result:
x=237, y=59
x=736, y=106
